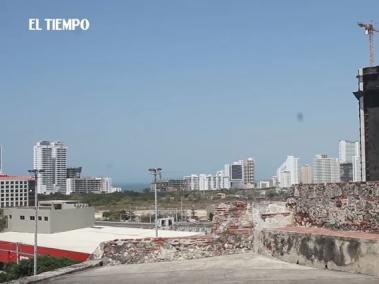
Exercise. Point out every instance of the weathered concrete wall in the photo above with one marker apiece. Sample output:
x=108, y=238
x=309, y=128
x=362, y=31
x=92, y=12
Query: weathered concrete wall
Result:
x=341, y=206
x=351, y=254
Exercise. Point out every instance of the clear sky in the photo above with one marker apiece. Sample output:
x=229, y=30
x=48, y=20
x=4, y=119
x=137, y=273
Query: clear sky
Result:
x=184, y=85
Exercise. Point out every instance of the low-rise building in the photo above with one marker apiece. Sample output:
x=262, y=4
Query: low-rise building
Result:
x=16, y=191
x=264, y=184
x=53, y=216
x=74, y=172
x=88, y=185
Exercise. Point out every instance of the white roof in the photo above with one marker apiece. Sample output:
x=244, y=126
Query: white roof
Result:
x=87, y=239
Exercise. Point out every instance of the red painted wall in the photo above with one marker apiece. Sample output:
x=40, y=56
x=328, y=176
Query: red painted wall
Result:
x=7, y=256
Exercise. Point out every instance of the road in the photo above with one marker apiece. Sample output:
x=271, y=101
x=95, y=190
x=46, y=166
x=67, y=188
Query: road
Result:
x=242, y=268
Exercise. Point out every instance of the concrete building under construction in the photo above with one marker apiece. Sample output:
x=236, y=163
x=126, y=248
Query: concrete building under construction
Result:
x=368, y=97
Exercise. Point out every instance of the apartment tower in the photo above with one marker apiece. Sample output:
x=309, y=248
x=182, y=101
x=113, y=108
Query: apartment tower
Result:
x=52, y=158
x=325, y=169
x=368, y=98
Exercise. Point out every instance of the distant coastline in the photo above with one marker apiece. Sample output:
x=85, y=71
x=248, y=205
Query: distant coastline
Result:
x=132, y=186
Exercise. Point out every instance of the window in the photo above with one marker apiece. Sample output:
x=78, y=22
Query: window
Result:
x=32, y=218
x=39, y=218
x=10, y=216
x=46, y=218
x=22, y=217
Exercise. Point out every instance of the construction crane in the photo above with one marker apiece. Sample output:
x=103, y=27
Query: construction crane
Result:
x=369, y=30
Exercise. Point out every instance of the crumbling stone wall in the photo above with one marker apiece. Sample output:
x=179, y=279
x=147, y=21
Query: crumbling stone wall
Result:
x=342, y=206
x=168, y=249
x=233, y=218
x=232, y=232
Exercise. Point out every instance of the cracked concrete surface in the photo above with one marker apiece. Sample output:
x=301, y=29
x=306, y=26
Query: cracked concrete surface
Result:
x=240, y=268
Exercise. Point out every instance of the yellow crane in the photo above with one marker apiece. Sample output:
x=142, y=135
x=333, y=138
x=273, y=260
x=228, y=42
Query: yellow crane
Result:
x=369, y=30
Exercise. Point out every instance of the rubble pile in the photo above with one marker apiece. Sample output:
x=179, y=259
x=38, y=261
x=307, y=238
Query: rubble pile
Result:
x=231, y=233
x=341, y=206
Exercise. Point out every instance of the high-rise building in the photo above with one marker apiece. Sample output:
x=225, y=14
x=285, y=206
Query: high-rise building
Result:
x=306, y=174
x=240, y=174
x=226, y=182
x=357, y=175
x=52, y=158
x=203, y=182
x=274, y=181
x=288, y=172
x=227, y=170
x=192, y=182
x=187, y=183
x=1, y=159
x=346, y=172
x=249, y=172
x=368, y=97
x=209, y=182
x=236, y=174
x=176, y=185
x=347, y=150
x=325, y=170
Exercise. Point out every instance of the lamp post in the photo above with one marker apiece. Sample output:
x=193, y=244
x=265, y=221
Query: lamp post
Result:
x=155, y=172
x=35, y=172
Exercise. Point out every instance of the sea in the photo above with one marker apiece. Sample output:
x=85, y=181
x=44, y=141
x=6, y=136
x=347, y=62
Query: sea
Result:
x=138, y=187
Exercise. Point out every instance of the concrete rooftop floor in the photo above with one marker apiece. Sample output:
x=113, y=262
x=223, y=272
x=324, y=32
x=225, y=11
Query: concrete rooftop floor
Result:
x=240, y=268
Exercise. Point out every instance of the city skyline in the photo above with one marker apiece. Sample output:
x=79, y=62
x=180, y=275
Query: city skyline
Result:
x=294, y=170
x=182, y=82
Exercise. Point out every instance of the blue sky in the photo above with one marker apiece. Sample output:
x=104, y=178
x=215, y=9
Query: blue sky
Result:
x=184, y=85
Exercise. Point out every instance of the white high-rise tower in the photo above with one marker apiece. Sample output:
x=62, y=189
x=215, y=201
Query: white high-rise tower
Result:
x=288, y=172
x=325, y=169
x=347, y=150
x=51, y=157
x=1, y=159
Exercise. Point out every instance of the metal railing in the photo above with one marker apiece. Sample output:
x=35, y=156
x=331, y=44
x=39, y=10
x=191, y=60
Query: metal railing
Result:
x=18, y=252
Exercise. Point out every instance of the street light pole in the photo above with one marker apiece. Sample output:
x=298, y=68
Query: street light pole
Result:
x=155, y=172
x=156, y=205
x=35, y=251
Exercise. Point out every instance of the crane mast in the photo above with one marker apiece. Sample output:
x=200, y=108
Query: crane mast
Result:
x=369, y=30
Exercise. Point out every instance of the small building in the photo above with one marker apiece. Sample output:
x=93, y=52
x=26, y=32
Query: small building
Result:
x=165, y=222
x=264, y=184
x=53, y=216
x=89, y=185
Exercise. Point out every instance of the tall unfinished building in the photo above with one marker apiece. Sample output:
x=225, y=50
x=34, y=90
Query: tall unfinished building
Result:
x=368, y=97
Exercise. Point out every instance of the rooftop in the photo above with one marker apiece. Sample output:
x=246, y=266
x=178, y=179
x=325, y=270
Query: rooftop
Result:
x=6, y=177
